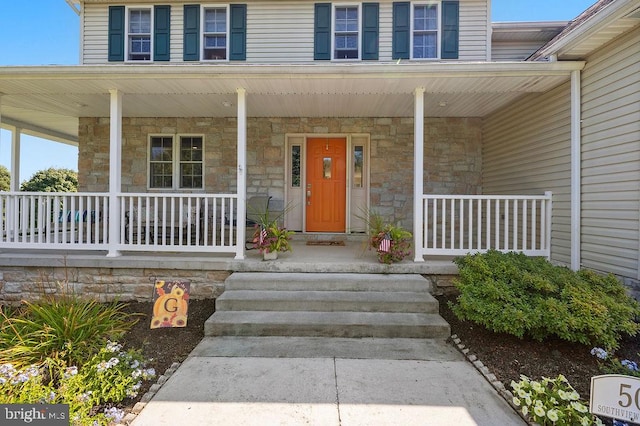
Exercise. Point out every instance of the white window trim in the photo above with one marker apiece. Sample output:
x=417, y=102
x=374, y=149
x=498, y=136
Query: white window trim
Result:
x=214, y=6
x=128, y=9
x=439, y=32
x=333, y=30
x=175, y=161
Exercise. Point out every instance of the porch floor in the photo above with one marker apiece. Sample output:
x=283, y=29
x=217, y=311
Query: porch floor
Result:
x=352, y=257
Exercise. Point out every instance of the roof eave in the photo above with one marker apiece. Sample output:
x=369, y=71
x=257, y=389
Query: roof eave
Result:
x=564, y=42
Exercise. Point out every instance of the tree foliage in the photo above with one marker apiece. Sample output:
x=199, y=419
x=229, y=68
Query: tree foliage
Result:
x=52, y=180
x=5, y=179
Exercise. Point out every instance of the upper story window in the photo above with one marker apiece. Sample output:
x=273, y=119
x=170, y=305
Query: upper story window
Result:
x=214, y=33
x=139, y=30
x=346, y=32
x=176, y=162
x=425, y=31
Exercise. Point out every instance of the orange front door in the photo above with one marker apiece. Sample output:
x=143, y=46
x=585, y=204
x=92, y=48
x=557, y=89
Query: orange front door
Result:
x=326, y=184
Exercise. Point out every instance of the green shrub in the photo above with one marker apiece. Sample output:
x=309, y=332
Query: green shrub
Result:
x=68, y=328
x=527, y=296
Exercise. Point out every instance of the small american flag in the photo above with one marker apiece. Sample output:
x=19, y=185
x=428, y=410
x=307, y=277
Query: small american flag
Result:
x=385, y=244
x=262, y=236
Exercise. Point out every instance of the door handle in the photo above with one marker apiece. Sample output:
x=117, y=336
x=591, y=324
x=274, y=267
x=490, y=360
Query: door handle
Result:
x=308, y=198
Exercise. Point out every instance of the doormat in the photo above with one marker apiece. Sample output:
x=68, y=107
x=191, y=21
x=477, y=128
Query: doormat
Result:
x=325, y=243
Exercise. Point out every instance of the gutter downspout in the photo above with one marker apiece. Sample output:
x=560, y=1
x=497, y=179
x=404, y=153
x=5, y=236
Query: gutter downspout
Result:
x=576, y=164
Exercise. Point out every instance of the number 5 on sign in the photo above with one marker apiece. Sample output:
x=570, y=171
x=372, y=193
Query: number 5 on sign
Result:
x=616, y=396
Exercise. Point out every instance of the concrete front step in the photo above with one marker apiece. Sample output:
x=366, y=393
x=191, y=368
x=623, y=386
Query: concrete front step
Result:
x=327, y=282
x=326, y=347
x=327, y=324
x=327, y=301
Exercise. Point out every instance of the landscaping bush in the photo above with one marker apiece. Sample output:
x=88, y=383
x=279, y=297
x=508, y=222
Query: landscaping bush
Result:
x=527, y=296
x=106, y=378
x=67, y=328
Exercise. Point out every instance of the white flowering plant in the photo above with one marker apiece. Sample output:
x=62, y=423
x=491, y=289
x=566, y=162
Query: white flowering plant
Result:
x=91, y=390
x=551, y=402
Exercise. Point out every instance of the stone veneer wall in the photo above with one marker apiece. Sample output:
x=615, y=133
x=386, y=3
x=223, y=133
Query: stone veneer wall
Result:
x=102, y=284
x=452, y=155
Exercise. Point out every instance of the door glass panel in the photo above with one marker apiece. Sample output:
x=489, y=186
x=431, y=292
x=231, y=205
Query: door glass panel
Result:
x=326, y=165
x=295, y=166
x=358, y=161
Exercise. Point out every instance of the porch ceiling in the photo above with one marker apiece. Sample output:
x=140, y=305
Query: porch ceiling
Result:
x=49, y=100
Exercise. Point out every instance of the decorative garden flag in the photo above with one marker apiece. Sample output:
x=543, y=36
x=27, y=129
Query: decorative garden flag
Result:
x=385, y=244
x=170, y=304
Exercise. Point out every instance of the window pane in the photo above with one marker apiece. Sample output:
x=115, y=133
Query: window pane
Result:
x=191, y=161
x=215, y=21
x=425, y=18
x=295, y=166
x=140, y=21
x=358, y=161
x=346, y=33
x=191, y=149
x=326, y=166
x=425, y=45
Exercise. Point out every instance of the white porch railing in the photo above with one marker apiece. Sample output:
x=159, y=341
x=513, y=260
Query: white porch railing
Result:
x=461, y=224
x=148, y=222
x=170, y=222
x=48, y=220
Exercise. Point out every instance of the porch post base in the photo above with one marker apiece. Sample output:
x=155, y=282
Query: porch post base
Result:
x=114, y=253
x=418, y=259
x=239, y=256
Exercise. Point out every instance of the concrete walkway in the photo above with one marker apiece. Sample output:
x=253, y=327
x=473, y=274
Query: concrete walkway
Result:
x=322, y=381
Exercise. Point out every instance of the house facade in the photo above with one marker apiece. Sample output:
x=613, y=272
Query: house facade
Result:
x=472, y=135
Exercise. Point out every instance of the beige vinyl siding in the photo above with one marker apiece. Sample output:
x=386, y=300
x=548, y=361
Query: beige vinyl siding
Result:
x=280, y=32
x=283, y=32
x=386, y=32
x=513, y=51
x=611, y=158
x=96, y=29
x=526, y=150
x=95, y=34
x=473, y=30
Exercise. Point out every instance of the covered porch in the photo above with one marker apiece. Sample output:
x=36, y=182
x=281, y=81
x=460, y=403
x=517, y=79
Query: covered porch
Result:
x=116, y=223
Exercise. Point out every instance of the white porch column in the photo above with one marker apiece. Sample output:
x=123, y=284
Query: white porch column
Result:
x=418, y=172
x=242, y=172
x=115, y=165
x=15, y=160
x=576, y=114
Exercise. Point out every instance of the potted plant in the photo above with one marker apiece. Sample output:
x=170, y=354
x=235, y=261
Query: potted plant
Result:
x=269, y=237
x=391, y=242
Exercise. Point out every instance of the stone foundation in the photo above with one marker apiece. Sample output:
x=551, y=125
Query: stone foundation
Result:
x=102, y=284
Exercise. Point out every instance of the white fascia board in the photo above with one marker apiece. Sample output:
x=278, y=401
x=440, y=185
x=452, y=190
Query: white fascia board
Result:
x=613, y=11
x=391, y=69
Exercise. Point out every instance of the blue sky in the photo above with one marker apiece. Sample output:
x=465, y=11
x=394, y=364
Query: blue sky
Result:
x=49, y=33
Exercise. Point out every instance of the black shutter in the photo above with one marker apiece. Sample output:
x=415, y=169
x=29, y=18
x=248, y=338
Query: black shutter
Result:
x=370, y=31
x=191, y=44
x=238, y=36
x=401, y=28
x=322, y=32
x=162, y=33
x=116, y=33
x=450, y=29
